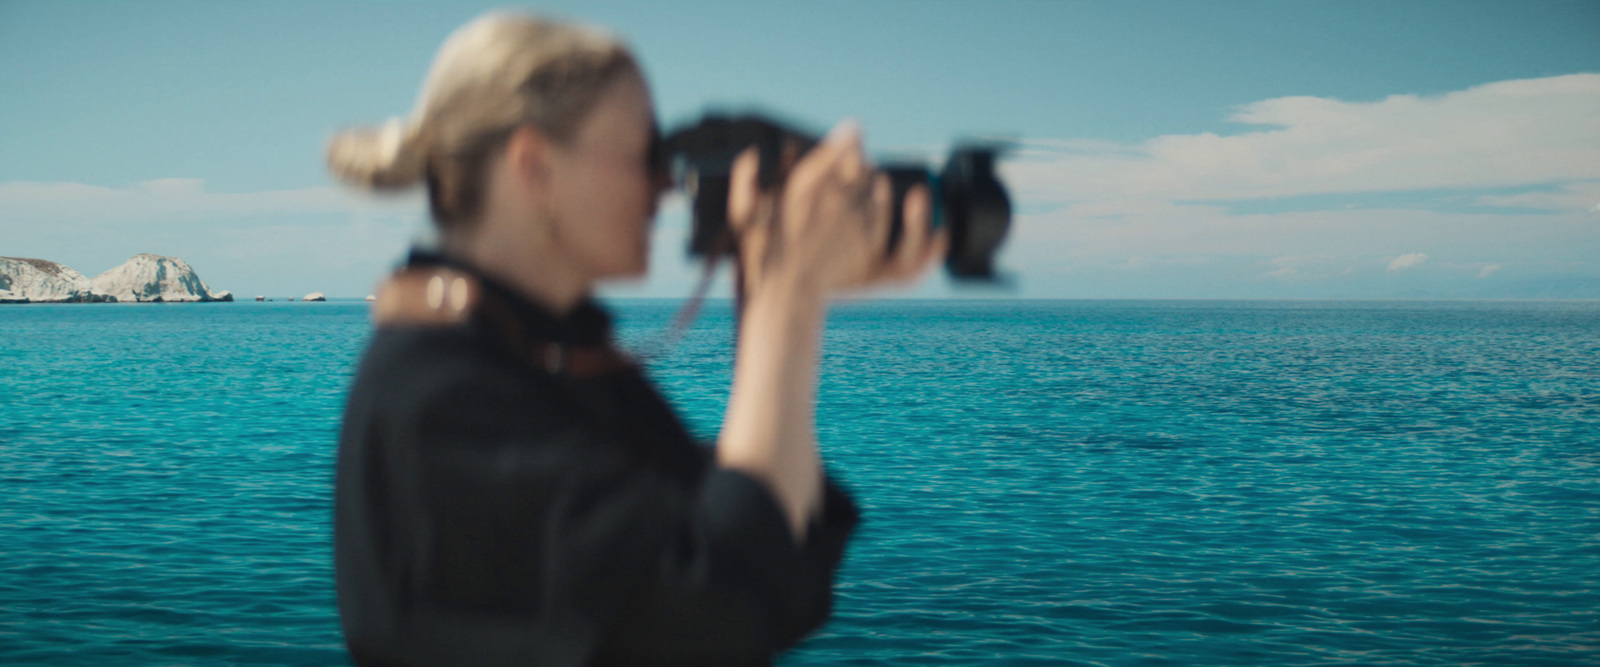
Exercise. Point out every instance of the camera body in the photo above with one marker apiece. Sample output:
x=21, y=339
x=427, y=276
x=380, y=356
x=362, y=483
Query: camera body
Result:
x=966, y=196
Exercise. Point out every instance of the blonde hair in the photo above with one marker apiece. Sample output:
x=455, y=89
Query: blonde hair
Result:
x=498, y=73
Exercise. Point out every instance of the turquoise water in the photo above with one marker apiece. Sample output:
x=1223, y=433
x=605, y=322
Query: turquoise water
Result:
x=1090, y=483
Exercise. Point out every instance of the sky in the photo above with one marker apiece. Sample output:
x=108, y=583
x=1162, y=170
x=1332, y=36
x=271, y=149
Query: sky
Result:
x=1183, y=150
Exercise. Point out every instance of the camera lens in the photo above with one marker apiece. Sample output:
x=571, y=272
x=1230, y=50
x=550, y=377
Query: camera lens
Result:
x=978, y=209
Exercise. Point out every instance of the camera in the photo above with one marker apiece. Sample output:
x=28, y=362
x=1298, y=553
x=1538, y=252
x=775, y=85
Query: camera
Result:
x=966, y=196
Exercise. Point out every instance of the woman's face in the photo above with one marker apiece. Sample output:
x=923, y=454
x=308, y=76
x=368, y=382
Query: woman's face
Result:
x=603, y=192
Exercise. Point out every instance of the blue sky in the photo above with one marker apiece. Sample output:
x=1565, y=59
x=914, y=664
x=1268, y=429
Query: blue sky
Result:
x=1169, y=149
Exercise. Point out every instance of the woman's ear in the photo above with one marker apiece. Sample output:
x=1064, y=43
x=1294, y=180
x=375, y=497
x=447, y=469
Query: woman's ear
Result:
x=528, y=155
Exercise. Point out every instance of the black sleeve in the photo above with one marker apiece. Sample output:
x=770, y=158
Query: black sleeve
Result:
x=524, y=511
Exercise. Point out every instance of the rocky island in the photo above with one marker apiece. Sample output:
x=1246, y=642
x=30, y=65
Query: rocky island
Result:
x=38, y=280
x=145, y=278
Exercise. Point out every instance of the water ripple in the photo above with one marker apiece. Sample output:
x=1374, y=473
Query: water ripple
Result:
x=1062, y=483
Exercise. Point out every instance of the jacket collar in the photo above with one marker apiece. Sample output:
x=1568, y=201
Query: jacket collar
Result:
x=587, y=324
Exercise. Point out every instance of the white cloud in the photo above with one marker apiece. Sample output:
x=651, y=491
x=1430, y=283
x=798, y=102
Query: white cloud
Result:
x=1317, y=247
x=1308, y=267
x=36, y=202
x=174, y=187
x=1508, y=133
x=1089, y=206
x=1407, y=261
x=1571, y=197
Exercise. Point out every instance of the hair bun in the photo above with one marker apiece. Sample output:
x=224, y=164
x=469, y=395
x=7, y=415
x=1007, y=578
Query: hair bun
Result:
x=385, y=157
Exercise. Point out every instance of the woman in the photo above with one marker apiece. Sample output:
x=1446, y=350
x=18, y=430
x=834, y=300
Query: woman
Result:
x=510, y=490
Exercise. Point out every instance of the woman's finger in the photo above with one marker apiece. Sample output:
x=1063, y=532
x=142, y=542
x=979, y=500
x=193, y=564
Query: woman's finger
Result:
x=937, y=251
x=880, y=214
x=916, y=233
x=929, y=249
x=851, y=166
x=743, y=190
x=826, y=161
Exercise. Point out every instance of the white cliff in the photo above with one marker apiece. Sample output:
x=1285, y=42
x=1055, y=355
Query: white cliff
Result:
x=149, y=277
x=40, y=281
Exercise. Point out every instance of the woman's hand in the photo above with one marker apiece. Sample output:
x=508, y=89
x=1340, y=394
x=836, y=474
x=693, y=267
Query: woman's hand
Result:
x=822, y=231
x=826, y=228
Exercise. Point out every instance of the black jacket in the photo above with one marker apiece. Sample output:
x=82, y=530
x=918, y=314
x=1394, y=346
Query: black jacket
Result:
x=490, y=512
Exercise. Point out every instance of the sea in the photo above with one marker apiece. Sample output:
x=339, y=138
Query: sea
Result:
x=1043, y=482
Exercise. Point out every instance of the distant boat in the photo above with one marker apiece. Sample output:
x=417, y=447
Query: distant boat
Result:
x=314, y=296
x=371, y=297
x=261, y=298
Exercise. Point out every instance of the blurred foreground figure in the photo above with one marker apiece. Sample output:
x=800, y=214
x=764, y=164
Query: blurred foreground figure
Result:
x=510, y=488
